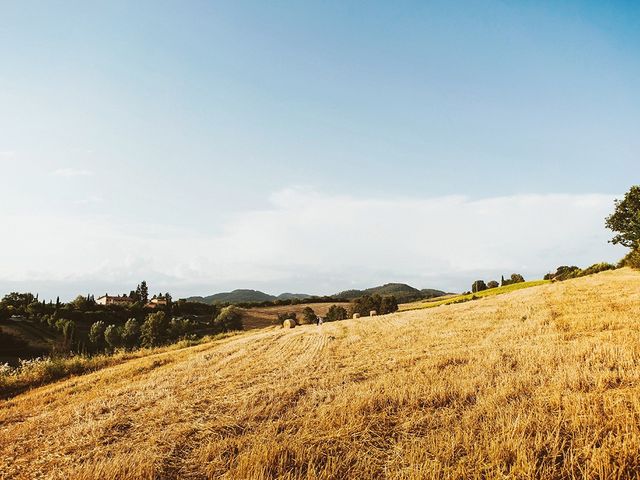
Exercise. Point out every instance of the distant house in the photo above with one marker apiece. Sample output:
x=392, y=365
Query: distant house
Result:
x=107, y=299
x=156, y=302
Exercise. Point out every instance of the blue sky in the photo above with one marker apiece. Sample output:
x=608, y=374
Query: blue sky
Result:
x=154, y=132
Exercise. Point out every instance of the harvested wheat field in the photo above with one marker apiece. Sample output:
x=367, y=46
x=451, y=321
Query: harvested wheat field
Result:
x=538, y=383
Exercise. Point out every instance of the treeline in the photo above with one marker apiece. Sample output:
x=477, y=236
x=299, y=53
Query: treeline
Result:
x=480, y=285
x=566, y=272
x=85, y=326
x=281, y=302
x=158, y=329
x=363, y=306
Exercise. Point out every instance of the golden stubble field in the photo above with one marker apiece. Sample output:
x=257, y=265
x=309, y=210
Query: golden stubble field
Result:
x=539, y=383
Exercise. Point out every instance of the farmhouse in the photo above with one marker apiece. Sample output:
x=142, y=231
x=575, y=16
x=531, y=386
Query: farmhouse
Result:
x=107, y=299
x=156, y=302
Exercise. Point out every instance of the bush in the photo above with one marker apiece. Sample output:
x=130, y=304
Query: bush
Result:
x=96, y=334
x=388, y=304
x=492, y=284
x=478, y=286
x=131, y=333
x=632, y=259
x=230, y=319
x=154, y=330
x=336, y=313
x=515, y=278
x=286, y=316
x=308, y=316
x=113, y=336
x=597, y=268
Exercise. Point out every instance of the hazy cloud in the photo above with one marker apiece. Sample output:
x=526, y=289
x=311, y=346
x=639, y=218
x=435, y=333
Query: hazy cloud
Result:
x=318, y=243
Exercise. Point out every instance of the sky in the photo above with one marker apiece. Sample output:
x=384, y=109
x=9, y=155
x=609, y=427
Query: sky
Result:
x=310, y=146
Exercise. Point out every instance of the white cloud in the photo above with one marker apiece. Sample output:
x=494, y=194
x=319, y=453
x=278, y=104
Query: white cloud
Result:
x=319, y=243
x=72, y=172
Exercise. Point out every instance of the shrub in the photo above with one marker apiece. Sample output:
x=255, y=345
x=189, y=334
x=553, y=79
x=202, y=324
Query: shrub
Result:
x=308, y=316
x=230, y=319
x=388, y=304
x=112, y=336
x=632, y=259
x=286, y=316
x=131, y=333
x=493, y=284
x=336, y=313
x=478, y=286
x=154, y=330
x=96, y=334
x=597, y=268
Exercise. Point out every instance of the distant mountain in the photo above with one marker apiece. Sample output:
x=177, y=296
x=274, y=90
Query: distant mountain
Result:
x=237, y=296
x=402, y=292
x=293, y=296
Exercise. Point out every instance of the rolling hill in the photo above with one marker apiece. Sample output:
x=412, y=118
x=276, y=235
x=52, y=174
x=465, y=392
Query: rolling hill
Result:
x=542, y=382
x=236, y=296
x=402, y=292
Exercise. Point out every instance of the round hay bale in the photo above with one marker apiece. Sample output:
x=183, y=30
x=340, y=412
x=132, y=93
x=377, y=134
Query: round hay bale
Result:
x=289, y=323
x=373, y=313
x=356, y=315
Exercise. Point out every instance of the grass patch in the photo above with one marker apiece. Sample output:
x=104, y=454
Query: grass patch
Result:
x=41, y=371
x=472, y=296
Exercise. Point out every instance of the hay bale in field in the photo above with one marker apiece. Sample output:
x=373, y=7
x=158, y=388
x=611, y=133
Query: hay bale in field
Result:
x=373, y=313
x=289, y=323
x=356, y=315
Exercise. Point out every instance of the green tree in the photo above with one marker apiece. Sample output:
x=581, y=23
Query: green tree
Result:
x=336, y=312
x=81, y=303
x=388, y=304
x=229, y=319
x=493, y=284
x=517, y=278
x=142, y=292
x=96, y=334
x=113, y=336
x=309, y=316
x=625, y=220
x=286, y=316
x=478, y=286
x=131, y=333
x=154, y=330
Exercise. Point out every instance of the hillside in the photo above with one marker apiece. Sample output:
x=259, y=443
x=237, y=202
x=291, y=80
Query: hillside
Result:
x=536, y=383
x=402, y=292
x=236, y=296
x=260, y=317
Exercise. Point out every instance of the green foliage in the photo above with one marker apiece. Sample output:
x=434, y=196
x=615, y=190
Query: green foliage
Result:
x=565, y=272
x=478, y=286
x=515, y=278
x=382, y=305
x=131, y=333
x=154, y=330
x=493, y=284
x=113, y=336
x=230, y=319
x=96, y=334
x=632, y=259
x=180, y=327
x=388, y=304
x=286, y=316
x=625, y=220
x=308, y=316
x=336, y=312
